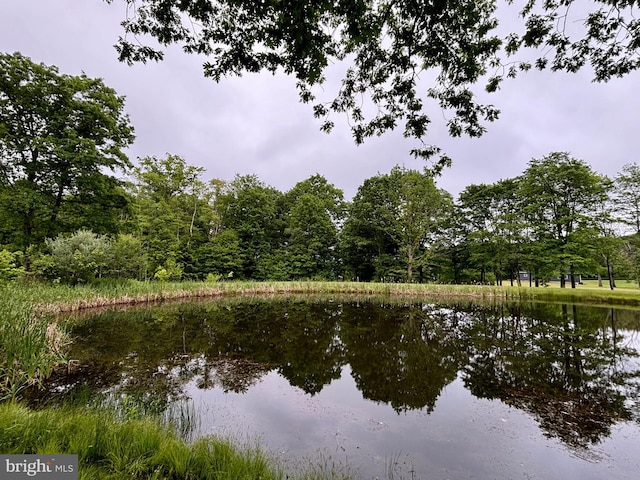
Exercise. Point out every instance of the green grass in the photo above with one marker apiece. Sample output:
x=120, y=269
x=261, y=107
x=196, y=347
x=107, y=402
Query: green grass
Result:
x=625, y=294
x=121, y=447
x=31, y=345
x=63, y=298
x=620, y=284
x=623, y=284
x=108, y=448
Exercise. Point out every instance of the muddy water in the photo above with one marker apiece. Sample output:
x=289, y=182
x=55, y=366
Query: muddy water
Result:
x=381, y=388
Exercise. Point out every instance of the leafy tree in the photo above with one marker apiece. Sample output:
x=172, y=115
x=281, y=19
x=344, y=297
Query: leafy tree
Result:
x=626, y=196
x=368, y=247
x=475, y=210
x=9, y=265
x=58, y=135
x=80, y=257
x=332, y=198
x=419, y=206
x=609, y=252
x=172, y=210
x=631, y=252
x=221, y=255
x=390, y=223
x=450, y=253
x=255, y=212
x=563, y=198
x=315, y=211
x=493, y=224
x=170, y=270
x=128, y=258
x=388, y=44
x=510, y=225
x=312, y=238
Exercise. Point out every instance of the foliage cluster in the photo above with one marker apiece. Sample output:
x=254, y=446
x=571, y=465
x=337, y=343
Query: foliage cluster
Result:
x=64, y=218
x=59, y=136
x=559, y=219
x=9, y=265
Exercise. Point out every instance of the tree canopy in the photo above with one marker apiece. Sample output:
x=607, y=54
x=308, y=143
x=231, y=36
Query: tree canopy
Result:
x=58, y=135
x=386, y=47
x=564, y=200
x=391, y=222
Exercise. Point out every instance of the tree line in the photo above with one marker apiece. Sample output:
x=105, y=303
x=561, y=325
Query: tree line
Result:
x=74, y=208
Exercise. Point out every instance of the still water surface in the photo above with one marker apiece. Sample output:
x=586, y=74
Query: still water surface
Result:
x=384, y=388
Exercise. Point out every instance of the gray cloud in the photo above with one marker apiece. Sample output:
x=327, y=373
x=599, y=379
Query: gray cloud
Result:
x=255, y=124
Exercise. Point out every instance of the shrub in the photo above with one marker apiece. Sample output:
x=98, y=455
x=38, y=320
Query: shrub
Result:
x=79, y=257
x=9, y=265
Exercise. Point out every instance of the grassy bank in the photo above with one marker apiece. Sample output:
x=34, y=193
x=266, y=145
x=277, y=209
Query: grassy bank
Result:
x=61, y=298
x=109, y=448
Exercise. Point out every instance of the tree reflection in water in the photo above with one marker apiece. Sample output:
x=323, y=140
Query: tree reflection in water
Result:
x=562, y=364
x=575, y=369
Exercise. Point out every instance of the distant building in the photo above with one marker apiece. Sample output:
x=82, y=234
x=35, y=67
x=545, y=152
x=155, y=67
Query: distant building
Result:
x=525, y=276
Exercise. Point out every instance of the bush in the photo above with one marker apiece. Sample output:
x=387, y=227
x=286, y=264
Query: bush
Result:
x=170, y=271
x=128, y=258
x=9, y=265
x=213, y=278
x=80, y=257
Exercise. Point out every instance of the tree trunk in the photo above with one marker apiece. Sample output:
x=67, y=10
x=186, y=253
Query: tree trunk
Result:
x=409, y=264
x=57, y=204
x=599, y=280
x=29, y=225
x=573, y=276
x=193, y=219
x=612, y=283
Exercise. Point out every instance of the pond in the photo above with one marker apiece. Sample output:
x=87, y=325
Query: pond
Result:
x=382, y=388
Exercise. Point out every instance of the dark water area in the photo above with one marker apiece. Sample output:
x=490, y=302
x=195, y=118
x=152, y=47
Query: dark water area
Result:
x=381, y=388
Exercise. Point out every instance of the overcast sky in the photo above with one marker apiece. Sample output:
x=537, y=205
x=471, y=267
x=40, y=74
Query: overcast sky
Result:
x=255, y=124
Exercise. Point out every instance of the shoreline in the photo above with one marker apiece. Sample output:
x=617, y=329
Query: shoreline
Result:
x=88, y=297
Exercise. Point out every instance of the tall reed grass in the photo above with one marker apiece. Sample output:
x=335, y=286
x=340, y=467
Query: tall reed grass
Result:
x=64, y=298
x=31, y=345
